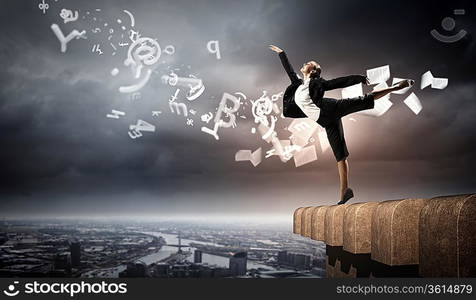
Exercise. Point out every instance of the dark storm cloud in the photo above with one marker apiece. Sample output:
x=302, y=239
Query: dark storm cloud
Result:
x=60, y=155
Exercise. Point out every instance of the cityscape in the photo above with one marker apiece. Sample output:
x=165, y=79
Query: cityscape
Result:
x=161, y=249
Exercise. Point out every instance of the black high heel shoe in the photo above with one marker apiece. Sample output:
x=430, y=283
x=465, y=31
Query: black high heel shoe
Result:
x=348, y=194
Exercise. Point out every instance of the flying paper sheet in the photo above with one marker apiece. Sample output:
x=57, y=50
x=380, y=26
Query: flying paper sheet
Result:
x=243, y=155
x=382, y=105
x=352, y=91
x=413, y=103
x=378, y=75
x=305, y=155
x=436, y=83
x=439, y=83
x=246, y=155
x=256, y=157
x=426, y=79
x=402, y=91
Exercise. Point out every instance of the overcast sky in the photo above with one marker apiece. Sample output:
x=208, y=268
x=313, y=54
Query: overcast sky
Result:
x=61, y=156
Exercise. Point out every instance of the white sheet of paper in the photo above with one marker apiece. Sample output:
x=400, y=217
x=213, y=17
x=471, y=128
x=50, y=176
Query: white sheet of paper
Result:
x=426, y=80
x=256, y=157
x=305, y=156
x=246, y=155
x=413, y=103
x=379, y=74
x=382, y=105
x=352, y=91
x=243, y=155
x=439, y=83
x=396, y=80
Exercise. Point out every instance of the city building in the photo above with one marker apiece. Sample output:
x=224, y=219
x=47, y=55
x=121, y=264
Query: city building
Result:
x=238, y=264
x=296, y=260
x=197, y=256
x=75, y=249
x=282, y=257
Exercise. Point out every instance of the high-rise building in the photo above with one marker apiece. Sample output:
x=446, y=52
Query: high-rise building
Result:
x=282, y=257
x=75, y=248
x=291, y=258
x=238, y=264
x=197, y=256
x=302, y=261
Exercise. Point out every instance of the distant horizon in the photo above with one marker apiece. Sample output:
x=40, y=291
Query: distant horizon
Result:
x=239, y=219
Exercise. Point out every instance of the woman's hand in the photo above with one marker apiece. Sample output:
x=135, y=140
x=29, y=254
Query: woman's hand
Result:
x=275, y=48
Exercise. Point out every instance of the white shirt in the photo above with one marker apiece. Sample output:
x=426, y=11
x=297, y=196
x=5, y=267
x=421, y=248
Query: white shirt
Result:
x=304, y=101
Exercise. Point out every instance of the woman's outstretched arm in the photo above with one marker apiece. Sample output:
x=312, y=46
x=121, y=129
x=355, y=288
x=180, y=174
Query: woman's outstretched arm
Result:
x=286, y=64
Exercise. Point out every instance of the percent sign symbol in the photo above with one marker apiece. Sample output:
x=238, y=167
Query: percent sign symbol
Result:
x=43, y=6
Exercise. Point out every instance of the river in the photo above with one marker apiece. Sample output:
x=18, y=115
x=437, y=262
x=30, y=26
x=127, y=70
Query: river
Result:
x=210, y=259
x=166, y=251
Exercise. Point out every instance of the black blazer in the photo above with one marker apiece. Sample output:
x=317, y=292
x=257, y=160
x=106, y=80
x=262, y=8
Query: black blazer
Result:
x=317, y=87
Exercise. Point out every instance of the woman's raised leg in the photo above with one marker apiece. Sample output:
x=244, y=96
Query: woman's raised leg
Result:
x=401, y=85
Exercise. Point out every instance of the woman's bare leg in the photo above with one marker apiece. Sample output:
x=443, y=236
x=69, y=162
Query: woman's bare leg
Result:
x=401, y=85
x=343, y=167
